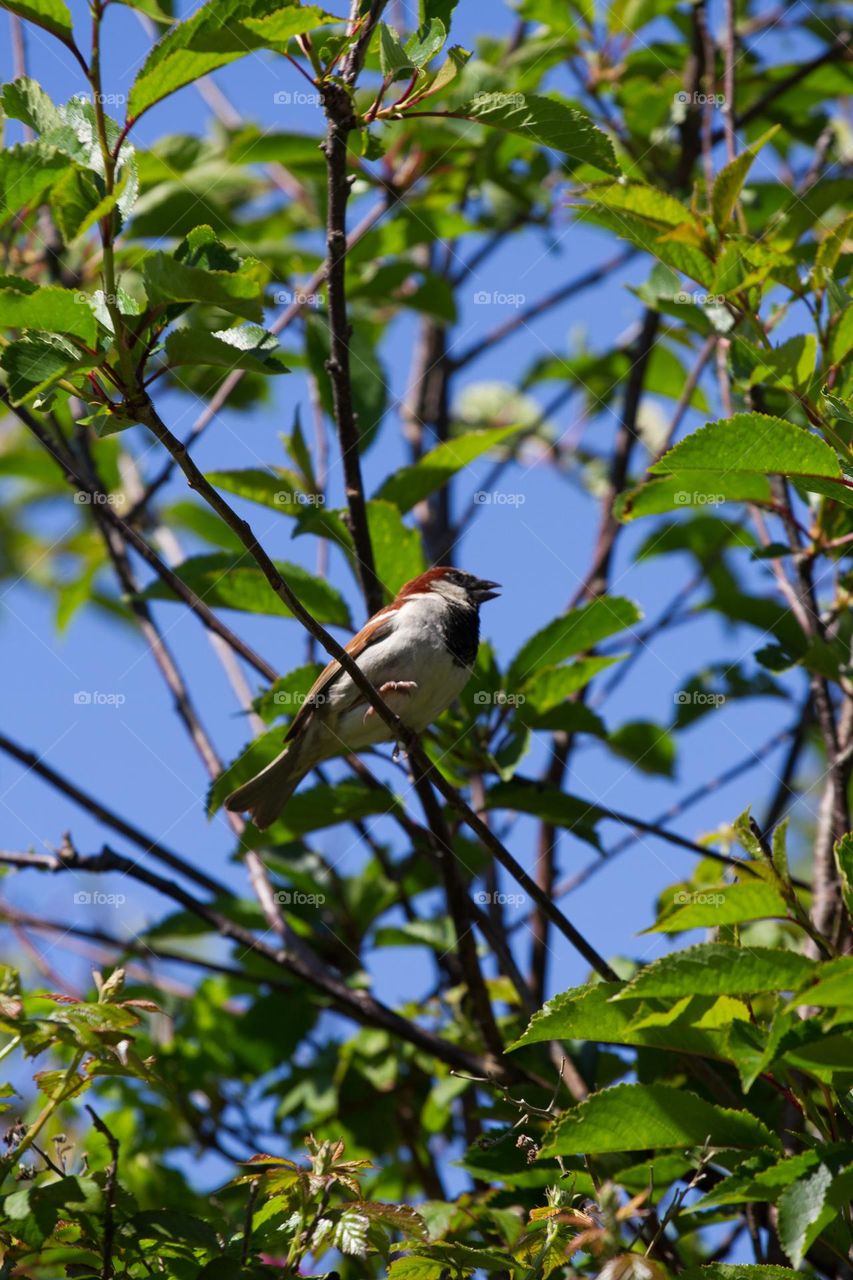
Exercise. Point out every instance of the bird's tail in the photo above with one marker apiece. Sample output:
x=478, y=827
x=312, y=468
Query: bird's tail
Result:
x=265, y=795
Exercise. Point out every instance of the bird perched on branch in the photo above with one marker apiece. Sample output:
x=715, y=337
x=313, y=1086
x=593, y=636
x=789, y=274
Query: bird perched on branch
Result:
x=418, y=653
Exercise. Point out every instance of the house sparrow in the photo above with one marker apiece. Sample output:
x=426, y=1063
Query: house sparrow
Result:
x=418, y=652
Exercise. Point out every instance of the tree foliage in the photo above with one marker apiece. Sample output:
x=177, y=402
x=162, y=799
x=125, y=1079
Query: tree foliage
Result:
x=685, y=1116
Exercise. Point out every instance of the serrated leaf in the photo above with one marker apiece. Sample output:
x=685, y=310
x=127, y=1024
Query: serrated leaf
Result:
x=50, y=15
x=688, y=489
x=834, y=985
x=229, y=583
x=217, y=34
x=546, y=122
x=35, y=362
x=49, y=308
x=592, y=1013
x=636, y=1116
x=712, y=905
x=27, y=173
x=751, y=442
x=239, y=292
x=248, y=347
x=737, y=1271
x=718, y=968
x=801, y=1217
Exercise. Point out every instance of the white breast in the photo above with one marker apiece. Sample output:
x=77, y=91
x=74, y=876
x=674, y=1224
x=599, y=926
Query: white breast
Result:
x=414, y=650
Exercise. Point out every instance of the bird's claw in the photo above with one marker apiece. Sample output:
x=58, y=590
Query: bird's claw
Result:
x=391, y=686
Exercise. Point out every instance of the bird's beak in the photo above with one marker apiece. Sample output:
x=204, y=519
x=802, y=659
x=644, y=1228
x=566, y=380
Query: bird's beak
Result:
x=485, y=590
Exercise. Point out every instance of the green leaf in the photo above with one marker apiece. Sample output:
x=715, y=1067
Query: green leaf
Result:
x=718, y=968
x=737, y=1271
x=246, y=346
x=844, y=863
x=35, y=362
x=438, y=934
x=369, y=381
x=25, y=100
x=548, y=690
x=689, y=489
x=730, y=180
x=77, y=201
x=414, y=1267
x=655, y=222
x=395, y=63
x=712, y=905
x=217, y=33
x=50, y=15
x=326, y=806
x=751, y=442
x=834, y=985
x=424, y=44
x=229, y=583
x=593, y=1013
x=256, y=755
x=49, y=308
x=239, y=292
x=546, y=122
x=27, y=172
x=647, y=745
x=636, y=1116
x=277, y=489
x=397, y=551
x=801, y=1213
x=790, y=365
x=548, y=803
x=573, y=633
x=410, y=485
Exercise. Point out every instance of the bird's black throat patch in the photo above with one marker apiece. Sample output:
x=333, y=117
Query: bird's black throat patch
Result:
x=460, y=629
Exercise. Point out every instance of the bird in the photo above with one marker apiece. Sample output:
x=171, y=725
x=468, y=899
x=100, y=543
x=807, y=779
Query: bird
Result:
x=418, y=652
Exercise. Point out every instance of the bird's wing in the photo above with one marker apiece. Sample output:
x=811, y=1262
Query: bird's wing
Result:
x=372, y=631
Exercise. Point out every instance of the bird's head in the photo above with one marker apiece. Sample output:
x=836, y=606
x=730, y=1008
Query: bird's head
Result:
x=454, y=585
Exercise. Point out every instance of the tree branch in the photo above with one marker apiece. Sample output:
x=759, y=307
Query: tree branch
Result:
x=356, y=1004
x=139, y=544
